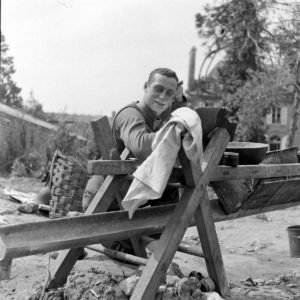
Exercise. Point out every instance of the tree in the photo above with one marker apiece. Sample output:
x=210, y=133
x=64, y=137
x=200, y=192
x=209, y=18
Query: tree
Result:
x=9, y=91
x=262, y=91
x=289, y=49
x=236, y=27
x=252, y=82
x=34, y=107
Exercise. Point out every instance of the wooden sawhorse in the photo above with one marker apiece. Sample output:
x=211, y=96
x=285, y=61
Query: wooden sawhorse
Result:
x=66, y=233
x=193, y=202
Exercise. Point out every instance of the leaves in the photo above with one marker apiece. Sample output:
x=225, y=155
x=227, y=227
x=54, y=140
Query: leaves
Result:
x=253, y=100
x=9, y=91
x=260, y=59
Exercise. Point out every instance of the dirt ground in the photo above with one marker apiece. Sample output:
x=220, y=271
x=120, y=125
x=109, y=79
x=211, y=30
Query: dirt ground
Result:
x=254, y=247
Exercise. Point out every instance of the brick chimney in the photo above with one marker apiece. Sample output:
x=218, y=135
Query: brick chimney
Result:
x=192, y=66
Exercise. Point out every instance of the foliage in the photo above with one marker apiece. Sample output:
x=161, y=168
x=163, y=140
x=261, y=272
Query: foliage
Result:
x=9, y=91
x=238, y=28
x=252, y=73
x=69, y=144
x=260, y=92
x=34, y=107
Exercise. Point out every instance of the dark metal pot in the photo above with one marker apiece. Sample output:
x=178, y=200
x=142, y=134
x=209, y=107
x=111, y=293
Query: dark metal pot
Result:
x=249, y=153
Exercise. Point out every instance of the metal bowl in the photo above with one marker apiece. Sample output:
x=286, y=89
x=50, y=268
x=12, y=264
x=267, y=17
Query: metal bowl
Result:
x=249, y=153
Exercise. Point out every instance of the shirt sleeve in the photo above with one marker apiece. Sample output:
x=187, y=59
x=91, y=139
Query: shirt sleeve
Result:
x=134, y=132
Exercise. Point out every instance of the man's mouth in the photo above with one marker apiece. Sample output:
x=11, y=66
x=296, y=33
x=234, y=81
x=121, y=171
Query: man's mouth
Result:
x=159, y=103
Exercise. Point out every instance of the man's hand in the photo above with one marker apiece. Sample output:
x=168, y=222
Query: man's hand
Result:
x=179, y=93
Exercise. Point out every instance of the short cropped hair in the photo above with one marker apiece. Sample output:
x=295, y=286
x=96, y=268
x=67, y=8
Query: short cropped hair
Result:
x=163, y=71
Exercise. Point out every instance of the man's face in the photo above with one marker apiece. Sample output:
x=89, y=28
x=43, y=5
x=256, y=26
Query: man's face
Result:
x=159, y=93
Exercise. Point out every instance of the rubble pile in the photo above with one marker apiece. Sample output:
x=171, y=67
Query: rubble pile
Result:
x=280, y=287
x=97, y=284
x=90, y=285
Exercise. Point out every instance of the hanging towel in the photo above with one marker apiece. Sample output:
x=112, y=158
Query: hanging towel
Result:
x=151, y=177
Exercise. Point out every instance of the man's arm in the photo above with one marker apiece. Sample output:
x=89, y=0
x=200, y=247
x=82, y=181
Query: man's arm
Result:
x=132, y=129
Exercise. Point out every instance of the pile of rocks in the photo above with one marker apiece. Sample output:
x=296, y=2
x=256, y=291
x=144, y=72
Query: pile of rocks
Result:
x=97, y=284
x=90, y=285
x=176, y=286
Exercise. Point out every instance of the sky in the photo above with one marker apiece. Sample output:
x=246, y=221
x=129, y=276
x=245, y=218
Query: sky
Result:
x=93, y=56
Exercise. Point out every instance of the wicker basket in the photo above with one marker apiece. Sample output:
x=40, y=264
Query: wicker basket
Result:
x=68, y=179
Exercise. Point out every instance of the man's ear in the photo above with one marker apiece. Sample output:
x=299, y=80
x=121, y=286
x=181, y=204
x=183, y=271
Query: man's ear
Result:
x=145, y=85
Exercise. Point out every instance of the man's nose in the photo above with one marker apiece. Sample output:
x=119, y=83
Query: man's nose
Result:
x=163, y=95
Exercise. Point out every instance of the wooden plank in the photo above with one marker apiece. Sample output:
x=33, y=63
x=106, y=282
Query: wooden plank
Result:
x=205, y=224
x=270, y=193
x=220, y=215
x=121, y=167
x=255, y=171
x=61, y=267
x=103, y=138
x=112, y=167
x=170, y=239
x=232, y=193
x=35, y=232
x=73, y=232
x=167, y=246
x=210, y=246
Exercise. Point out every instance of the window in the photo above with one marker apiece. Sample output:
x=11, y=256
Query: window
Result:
x=278, y=115
x=274, y=143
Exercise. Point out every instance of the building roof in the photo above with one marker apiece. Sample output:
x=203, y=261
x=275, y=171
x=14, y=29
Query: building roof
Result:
x=23, y=116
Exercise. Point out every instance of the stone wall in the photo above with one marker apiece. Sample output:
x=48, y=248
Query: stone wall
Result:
x=22, y=135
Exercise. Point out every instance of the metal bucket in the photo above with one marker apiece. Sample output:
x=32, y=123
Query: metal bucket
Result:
x=294, y=240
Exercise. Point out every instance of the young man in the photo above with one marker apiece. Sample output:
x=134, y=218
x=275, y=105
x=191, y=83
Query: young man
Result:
x=134, y=125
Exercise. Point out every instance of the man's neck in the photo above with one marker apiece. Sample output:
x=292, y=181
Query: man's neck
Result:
x=150, y=114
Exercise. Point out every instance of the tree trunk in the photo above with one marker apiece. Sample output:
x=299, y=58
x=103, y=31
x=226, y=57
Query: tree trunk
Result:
x=295, y=113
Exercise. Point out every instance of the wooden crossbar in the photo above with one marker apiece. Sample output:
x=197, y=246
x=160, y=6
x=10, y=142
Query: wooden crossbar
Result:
x=65, y=233
x=221, y=173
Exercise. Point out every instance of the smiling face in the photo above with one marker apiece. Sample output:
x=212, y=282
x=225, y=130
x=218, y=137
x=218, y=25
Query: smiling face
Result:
x=159, y=92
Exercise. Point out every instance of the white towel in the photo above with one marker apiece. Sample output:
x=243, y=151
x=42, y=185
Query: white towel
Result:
x=151, y=177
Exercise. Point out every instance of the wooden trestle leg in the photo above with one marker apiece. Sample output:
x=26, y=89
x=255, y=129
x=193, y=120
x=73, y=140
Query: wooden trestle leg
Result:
x=100, y=203
x=188, y=205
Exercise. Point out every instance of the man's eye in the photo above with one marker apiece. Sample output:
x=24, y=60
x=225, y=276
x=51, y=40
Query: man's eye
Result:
x=158, y=89
x=170, y=93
